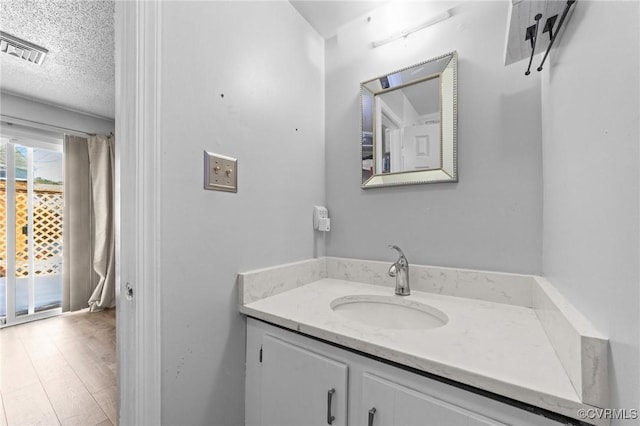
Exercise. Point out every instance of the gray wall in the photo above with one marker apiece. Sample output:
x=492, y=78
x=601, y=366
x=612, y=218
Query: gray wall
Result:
x=492, y=218
x=591, y=182
x=268, y=63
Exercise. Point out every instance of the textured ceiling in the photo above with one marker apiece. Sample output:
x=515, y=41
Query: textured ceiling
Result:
x=79, y=70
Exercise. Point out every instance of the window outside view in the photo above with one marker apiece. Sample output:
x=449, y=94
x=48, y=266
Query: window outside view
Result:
x=36, y=267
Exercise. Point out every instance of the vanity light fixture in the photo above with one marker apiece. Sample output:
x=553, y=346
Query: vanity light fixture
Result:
x=408, y=31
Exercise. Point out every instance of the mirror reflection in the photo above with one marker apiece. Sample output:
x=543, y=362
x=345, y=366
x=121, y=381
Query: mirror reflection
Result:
x=408, y=125
x=408, y=128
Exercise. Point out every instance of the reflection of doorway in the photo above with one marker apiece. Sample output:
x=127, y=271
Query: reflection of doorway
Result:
x=389, y=144
x=31, y=214
x=386, y=146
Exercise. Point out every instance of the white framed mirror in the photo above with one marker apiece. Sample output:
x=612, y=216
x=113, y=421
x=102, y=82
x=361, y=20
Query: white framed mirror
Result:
x=409, y=125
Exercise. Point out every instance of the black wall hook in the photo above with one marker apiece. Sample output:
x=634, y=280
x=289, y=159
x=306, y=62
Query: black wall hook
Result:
x=548, y=26
x=532, y=34
x=551, y=34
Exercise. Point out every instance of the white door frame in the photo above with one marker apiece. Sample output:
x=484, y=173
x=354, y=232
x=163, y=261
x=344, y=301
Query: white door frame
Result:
x=138, y=266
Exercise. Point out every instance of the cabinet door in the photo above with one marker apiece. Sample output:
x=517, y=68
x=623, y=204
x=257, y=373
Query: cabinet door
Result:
x=398, y=405
x=300, y=387
x=378, y=402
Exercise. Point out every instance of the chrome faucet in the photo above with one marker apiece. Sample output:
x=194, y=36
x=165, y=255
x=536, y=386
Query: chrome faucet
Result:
x=400, y=270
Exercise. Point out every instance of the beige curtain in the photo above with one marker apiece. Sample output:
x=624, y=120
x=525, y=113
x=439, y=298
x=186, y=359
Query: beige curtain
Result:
x=89, y=239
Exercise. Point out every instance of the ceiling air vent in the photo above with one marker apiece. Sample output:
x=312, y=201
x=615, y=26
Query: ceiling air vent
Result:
x=22, y=49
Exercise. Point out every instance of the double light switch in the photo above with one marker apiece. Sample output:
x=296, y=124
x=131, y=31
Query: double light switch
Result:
x=220, y=172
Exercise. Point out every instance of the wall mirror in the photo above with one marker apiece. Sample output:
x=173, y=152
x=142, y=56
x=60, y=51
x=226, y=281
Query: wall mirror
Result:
x=409, y=125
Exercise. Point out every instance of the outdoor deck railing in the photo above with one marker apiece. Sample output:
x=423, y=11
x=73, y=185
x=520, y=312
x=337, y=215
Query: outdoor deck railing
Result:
x=48, y=205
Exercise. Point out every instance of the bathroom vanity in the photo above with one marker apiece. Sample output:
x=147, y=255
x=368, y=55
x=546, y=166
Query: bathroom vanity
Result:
x=294, y=380
x=328, y=342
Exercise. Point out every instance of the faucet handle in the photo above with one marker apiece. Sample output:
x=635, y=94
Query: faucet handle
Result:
x=393, y=270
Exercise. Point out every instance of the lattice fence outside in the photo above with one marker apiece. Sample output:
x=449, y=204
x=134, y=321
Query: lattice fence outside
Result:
x=47, y=229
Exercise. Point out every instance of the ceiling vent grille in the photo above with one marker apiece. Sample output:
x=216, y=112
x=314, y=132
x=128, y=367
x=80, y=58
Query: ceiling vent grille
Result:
x=22, y=49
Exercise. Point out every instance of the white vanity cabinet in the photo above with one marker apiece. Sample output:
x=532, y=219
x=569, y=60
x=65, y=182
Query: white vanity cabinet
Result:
x=289, y=378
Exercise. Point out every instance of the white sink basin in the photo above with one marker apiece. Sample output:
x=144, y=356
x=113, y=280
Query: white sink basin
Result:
x=392, y=312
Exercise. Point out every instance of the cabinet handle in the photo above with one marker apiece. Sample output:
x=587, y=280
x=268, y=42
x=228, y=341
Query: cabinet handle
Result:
x=330, y=418
x=372, y=413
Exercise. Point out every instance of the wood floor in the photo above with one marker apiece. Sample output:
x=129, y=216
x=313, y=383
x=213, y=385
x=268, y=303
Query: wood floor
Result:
x=59, y=371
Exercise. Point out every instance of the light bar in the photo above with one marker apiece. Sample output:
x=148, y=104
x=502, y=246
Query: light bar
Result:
x=405, y=33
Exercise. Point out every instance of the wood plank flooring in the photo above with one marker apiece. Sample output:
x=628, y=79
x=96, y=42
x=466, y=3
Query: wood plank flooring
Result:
x=59, y=371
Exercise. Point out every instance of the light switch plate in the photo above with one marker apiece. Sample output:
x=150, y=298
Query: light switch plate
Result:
x=220, y=172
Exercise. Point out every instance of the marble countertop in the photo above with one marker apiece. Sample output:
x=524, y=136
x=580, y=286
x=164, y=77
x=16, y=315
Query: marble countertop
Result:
x=497, y=347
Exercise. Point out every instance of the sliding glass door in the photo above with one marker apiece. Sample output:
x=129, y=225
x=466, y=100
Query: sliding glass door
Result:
x=31, y=218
